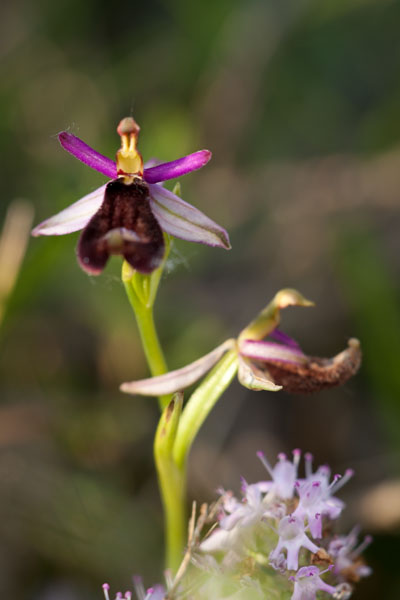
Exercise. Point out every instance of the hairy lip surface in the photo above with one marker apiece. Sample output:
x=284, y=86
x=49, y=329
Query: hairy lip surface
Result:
x=317, y=373
x=125, y=225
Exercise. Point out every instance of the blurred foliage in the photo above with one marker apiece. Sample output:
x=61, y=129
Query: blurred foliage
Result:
x=375, y=300
x=298, y=100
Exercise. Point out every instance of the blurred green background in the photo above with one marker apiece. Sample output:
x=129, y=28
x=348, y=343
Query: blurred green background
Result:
x=299, y=102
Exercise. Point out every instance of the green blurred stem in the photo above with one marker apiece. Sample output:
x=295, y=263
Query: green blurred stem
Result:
x=175, y=435
x=173, y=492
x=172, y=483
x=200, y=404
x=148, y=335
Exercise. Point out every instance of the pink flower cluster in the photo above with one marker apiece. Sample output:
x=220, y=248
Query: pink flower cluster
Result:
x=274, y=538
x=295, y=511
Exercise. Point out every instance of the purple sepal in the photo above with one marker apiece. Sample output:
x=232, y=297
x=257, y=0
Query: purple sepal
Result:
x=176, y=168
x=87, y=155
x=184, y=221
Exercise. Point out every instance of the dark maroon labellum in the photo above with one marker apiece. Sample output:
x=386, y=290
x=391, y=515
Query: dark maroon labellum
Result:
x=317, y=374
x=124, y=225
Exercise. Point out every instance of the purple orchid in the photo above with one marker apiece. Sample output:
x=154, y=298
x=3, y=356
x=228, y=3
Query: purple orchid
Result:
x=271, y=364
x=128, y=215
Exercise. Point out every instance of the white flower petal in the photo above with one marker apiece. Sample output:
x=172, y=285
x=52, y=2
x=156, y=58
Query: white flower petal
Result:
x=184, y=221
x=74, y=217
x=181, y=378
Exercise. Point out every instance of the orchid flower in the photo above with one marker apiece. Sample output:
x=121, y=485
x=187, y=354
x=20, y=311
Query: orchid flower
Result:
x=263, y=364
x=128, y=215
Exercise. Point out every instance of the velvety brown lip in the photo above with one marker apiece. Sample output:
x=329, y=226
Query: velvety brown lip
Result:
x=123, y=225
x=318, y=373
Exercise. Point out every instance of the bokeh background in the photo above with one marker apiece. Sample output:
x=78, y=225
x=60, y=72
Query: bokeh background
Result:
x=299, y=102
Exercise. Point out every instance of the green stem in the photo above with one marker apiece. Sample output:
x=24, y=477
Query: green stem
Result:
x=148, y=335
x=200, y=404
x=173, y=492
x=172, y=449
x=172, y=481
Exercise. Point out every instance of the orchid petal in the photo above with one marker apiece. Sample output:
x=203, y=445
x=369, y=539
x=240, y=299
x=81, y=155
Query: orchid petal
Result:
x=176, y=168
x=270, y=352
x=184, y=221
x=87, y=155
x=181, y=378
x=74, y=217
x=255, y=379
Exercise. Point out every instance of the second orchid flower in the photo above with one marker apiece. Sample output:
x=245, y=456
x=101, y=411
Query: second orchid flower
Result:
x=263, y=365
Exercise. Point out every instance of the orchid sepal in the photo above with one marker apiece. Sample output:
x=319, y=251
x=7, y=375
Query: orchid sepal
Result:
x=184, y=221
x=180, y=378
x=74, y=217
